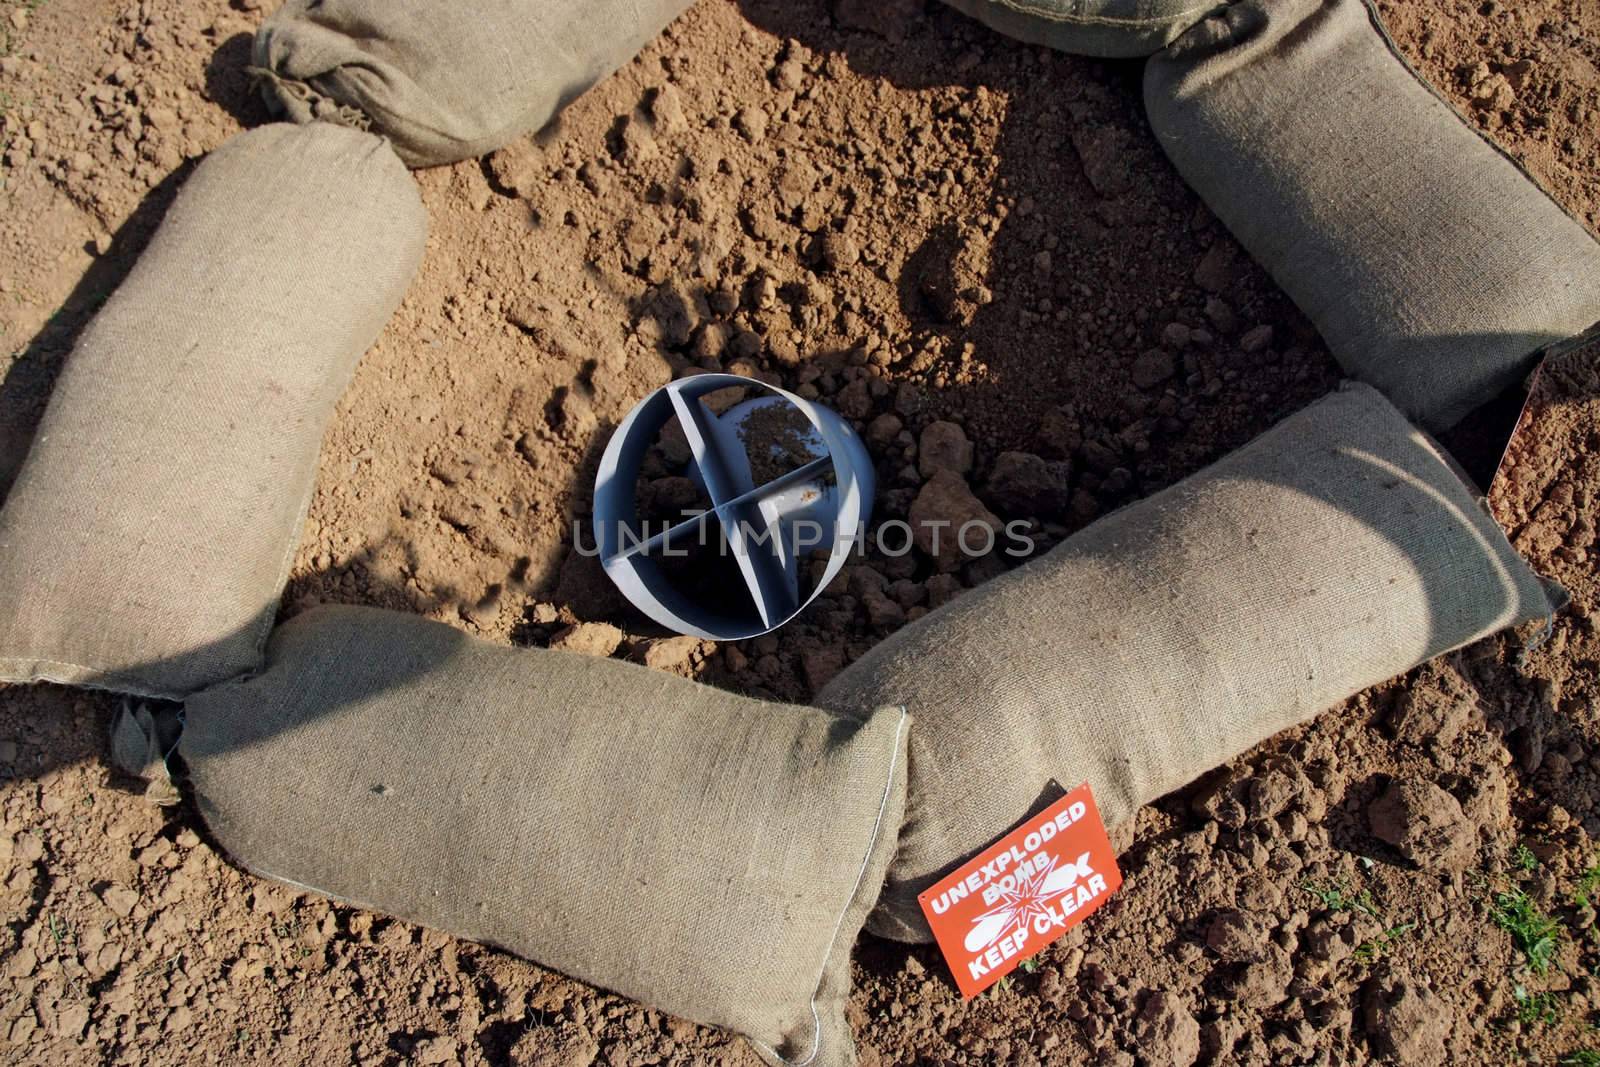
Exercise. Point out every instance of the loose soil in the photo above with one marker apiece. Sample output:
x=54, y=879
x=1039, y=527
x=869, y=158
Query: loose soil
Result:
x=966, y=246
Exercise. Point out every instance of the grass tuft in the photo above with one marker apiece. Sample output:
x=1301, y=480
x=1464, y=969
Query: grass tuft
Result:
x=1536, y=1009
x=1374, y=947
x=1588, y=886
x=1536, y=935
x=1335, y=896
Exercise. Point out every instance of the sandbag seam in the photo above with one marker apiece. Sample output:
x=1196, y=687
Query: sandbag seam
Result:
x=26, y=670
x=866, y=861
x=1068, y=18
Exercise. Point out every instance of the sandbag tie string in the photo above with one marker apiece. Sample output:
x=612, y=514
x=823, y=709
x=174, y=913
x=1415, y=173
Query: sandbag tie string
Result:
x=144, y=737
x=315, y=105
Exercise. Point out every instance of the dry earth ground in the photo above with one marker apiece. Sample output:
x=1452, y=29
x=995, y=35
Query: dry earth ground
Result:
x=967, y=246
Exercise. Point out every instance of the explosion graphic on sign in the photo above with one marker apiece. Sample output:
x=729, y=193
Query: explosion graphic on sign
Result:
x=1027, y=900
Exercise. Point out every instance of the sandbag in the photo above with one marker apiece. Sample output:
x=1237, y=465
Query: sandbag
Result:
x=441, y=81
x=1110, y=29
x=1332, y=552
x=1434, y=268
x=147, y=538
x=710, y=855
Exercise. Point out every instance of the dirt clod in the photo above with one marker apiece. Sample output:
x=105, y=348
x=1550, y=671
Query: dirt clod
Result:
x=549, y=1046
x=588, y=638
x=1425, y=823
x=1023, y=484
x=949, y=524
x=1166, y=1033
x=944, y=447
x=1237, y=936
x=1406, y=1022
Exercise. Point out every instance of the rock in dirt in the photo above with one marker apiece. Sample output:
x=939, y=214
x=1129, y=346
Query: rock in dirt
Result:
x=1237, y=936
x=951, y=268
x=1328, y=942
x=1487, y=797
x=1268, y=795
x=837, y=251
x=665, y=106
x=1405, y=1022
x=882, y=430
x=947, y=521
x=752, y=122
x=588, y=638
x=1153, y=368
x=1104, y=152
x=1220, y=314
x=1060, y=433
x=1527, y=745
x=120, y=899
x=518, y=168
x=1256, y=339
x=1221, y=797
x=668, y=653
x=1434, y=710
x=854, y=401
x=883, y=612
x=908, y=399
x=1425, y=823
x=1166, y=1032
x=944, y=447
x=1215, y=272
x=1022, y=483
x=790, y=74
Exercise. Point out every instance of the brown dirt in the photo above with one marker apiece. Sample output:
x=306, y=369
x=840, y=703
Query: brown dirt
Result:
x=945, y=230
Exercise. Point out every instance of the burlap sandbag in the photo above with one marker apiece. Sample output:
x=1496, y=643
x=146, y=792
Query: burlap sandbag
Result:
x=1106, y=28
x=707, y=854
x=443, y=81
x=147, y=538
x=1331, y=553
x=1432, y=265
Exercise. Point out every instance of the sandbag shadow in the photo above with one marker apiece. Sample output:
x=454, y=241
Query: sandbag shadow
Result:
x=25, y=387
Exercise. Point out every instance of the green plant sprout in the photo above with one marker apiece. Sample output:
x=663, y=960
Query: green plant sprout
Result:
x=1588, y=884
x=1335, y=896
x=1536, y=935
x=1541, y=1009
x=1374, y=947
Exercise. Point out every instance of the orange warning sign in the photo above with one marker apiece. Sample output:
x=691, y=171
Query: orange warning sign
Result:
x=1022, y=892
